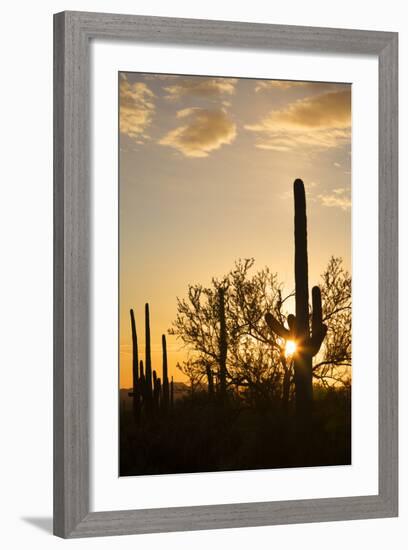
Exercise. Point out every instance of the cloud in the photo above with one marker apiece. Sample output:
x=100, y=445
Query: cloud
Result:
x=205, y=130
x=322, y=121
x=263, y=85
x=320, y=87
x=291, y=140
x=200, y=87
x=330, y=110
x=340, y=199
x=136, y=108
x=159, y=76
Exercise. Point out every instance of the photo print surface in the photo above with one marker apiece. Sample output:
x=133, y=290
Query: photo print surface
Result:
x=234, y=274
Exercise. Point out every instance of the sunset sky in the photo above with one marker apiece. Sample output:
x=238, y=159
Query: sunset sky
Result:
x=207, y=166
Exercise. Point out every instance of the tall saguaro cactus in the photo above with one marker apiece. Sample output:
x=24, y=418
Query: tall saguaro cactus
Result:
x=148, y=357
x=308, y=342
x=166, y=389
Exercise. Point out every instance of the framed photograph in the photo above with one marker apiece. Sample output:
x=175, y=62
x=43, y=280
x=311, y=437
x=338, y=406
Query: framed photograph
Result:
x=225, y=324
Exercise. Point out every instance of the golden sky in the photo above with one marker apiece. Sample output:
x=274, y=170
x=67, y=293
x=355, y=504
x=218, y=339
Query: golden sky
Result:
x=207, y=166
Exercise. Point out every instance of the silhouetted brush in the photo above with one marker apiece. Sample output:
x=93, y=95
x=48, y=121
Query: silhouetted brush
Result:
x=172, y=393
x=308, y=342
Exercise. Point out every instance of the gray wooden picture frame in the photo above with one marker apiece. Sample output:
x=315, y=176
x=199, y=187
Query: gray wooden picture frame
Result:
x=72, y=201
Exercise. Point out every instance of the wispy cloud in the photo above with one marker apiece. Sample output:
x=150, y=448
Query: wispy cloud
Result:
x=322, y=121
x=136, y=108
x=158, y=76
x=205, y=130
x=339, y=198
x=200, y=87
x=320, y=87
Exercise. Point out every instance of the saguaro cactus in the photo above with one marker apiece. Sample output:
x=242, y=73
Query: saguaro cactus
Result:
x=308, y=342
x=135, y=364
x=166, y=395
x=223, y=346
x=142, y=380
x=157, y=393
x=142, y=375
x=148, y=357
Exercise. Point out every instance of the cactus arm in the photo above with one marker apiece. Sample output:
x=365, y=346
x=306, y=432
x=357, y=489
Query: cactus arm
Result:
x=317, y=318
x=292, y=324
x=276, y=327
x=316, y=341
x=319, y=330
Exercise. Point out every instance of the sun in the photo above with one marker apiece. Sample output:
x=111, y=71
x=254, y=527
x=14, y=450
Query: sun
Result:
x=290, y=347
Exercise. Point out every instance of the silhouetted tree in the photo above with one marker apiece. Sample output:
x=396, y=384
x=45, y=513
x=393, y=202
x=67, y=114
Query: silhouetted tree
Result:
x=194, y=372
x=201, y=325
x=253, y=358
x=257, y=366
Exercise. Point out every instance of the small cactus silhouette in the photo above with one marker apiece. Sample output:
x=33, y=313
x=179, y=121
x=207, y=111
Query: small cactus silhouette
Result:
x=172, y=393
x=308, y=342
x=135, y=365
x=156, y=391
x=150, y=392
x=142, y=380
x=148, y=358
x=165, y=385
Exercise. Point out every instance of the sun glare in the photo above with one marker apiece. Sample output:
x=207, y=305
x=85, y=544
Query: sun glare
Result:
x=290, y=348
